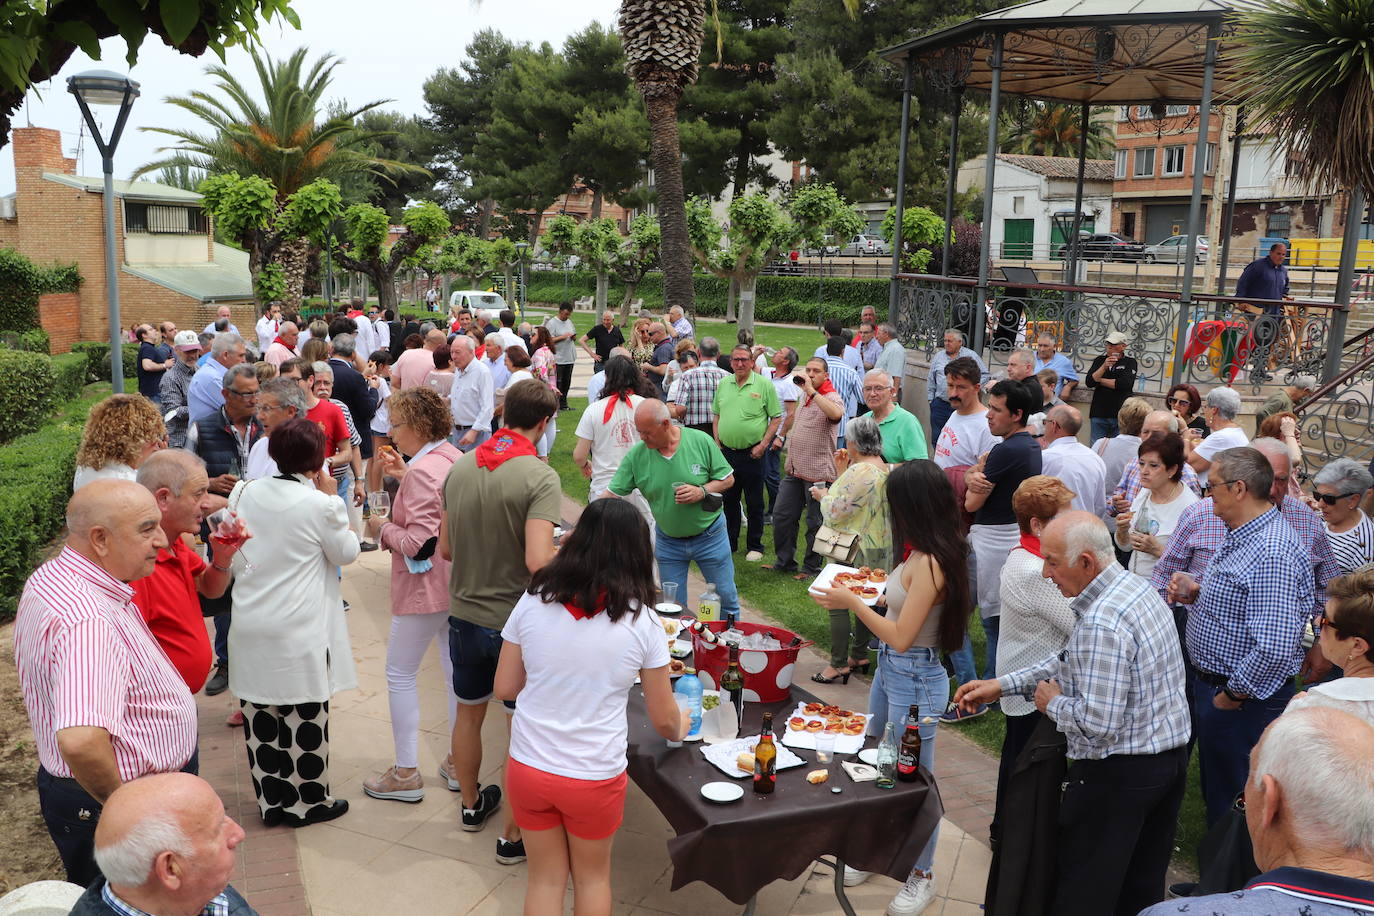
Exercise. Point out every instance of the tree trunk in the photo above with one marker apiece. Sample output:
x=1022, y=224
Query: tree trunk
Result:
x=746, y=300
x=602, y=282
x=740, y=181
x=596, y=204
x=630, y=287
x=730, y=295
x=484, y=212
x=294, y=257
x=660, y=104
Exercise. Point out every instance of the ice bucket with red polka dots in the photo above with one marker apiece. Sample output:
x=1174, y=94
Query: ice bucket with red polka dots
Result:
x=767, y=672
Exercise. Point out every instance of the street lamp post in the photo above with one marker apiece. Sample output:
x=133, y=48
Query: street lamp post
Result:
x=104, y=87
x=520, y=249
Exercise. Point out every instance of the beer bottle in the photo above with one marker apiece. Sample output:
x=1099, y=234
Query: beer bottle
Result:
x=909, y=755
x=732, y=682
x=765, y=759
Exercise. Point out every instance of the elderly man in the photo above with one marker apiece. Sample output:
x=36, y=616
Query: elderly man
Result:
x=105, y=703
x=168, y=598
x=471, y=399
x=280, y=399
x=1156, y=423
x=1311, y=835
x=1285, y=399
x=954, y=348
x=677, y=321
x=165, y=846
x=868, y=315
x=1079, y=467
x=351, y=388
x=224, y=314
x=412, y=366
x=175, y=389
x=1020, y=365
x=595, y=384
x=1116, y=693
x=1266, y=279
x=603, y=338
x=657, y=367
x=903, y=437
x=205, y=394
x=1220, y=410
x=1047, y=356
x=811, y=430
x=686, y=469
x=697, y=391
x=892, y=358
x=1112, y=378
x=1245, y=621
x=833, y=327
x=283, y=345
x=745, y=414
x=868, y=346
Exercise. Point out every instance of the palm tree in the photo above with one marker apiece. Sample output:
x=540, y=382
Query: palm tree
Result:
x=1307, y=68
x=1051, y=129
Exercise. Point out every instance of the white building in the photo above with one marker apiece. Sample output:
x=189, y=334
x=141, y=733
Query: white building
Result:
x=1028, y=191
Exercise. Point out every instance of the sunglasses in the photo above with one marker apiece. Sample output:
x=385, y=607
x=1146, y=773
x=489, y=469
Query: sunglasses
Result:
x=1329, y=499
x=1182, y=402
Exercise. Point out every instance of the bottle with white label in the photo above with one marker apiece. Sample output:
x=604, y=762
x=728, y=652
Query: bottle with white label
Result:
x=708, y=605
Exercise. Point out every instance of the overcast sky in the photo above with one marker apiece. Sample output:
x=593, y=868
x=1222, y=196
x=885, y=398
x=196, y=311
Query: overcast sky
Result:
x=388, y=50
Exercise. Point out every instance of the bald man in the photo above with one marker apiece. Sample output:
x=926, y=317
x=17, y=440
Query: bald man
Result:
x=105, y=703
x=688, y=468
x=412, y=366
x=165, y=847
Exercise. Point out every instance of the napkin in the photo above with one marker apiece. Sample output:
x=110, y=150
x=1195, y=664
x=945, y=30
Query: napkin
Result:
x=859, y=772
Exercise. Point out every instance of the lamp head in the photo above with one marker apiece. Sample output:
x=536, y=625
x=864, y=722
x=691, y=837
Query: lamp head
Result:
x=102, y=87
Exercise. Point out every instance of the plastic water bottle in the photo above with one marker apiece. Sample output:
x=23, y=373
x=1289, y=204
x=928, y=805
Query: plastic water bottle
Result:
x=689, y=685
x=708, y=605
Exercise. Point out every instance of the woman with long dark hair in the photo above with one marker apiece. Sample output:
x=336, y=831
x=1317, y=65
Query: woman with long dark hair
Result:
x=572, y=649
x=927, y=612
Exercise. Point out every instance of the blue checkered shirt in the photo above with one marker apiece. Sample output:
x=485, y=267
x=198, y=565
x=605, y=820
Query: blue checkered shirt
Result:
x=849, y=386
x=1247, y=622
x=1129, y=485
x=1121, y=672
x=698, y=390
x=219, y=906
x=1199, y=534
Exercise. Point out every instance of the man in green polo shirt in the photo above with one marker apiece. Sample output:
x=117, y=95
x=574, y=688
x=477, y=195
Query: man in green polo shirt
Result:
x=675, y=468
x=903, y=437
x=746, y=412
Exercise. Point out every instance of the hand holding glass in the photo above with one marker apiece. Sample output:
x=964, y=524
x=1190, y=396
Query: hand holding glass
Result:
x=380, y=501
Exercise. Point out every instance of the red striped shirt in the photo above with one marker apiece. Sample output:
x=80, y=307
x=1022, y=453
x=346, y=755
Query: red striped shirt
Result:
x=86, y=658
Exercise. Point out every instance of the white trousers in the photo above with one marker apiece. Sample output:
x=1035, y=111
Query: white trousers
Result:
x=411, y=635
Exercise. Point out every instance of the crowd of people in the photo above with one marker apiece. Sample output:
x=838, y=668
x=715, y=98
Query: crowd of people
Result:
x=1162, y=586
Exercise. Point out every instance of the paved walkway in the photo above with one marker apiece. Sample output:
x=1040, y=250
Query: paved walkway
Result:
x=383, y=855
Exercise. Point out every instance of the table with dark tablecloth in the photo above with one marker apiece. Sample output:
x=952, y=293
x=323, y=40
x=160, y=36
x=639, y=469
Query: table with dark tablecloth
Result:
x=739, y=848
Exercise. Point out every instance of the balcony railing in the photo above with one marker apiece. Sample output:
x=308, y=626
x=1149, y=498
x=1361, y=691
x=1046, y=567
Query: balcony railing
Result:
x=1214, y=340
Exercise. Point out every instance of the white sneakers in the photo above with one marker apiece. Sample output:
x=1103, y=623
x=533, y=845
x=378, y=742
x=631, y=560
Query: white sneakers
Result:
x=753, y=556
x=914, y=896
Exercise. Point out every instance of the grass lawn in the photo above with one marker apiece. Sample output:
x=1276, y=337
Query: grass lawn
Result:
x=805, y=340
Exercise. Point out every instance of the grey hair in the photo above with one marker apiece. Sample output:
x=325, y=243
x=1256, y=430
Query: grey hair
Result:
x=242, y=370
x=875, y=373
x=1022, y=355
x=1225, y=400
x=288, y=393
x=1088, y=535
x=790, y=354
x=223, y=342
x=168, y=469
x=1308, y=382
x=1337, y=810
x=1268, y=445
x=1245, y=464
x=287, y=324
x=464, y=341
x=709, y=347
x=891, y=330
x=427, y=327
x=1346, y=475
x=129, y=861
x=344, y=345
x=862, y=435
x=948, y=331
x=1175, y=425
x=321, y=368
x=744, y=336
x=205, y=338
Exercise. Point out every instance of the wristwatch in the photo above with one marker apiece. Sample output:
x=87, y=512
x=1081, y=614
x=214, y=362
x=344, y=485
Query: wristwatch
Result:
x=1234, y=697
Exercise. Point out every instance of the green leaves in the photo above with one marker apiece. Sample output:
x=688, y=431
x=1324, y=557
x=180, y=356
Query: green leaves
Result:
x=81, y=35
x=179, y=17
x=240, y=205
x=310, y=211
x=365, y=227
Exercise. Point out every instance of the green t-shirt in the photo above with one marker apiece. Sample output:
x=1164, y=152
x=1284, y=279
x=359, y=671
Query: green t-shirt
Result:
x=744, y=410
x=697, y=461
x=903, y=437
x=485, y=512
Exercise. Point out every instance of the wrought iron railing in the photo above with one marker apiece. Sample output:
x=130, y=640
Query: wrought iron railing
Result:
x=1214, y=340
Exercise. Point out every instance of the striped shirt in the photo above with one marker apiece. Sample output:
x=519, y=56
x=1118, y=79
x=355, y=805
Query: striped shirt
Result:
x=850, y=386
x=218, y=906
x=1121, y=673
x=697, y=392
x=86, y=658
x=1353, y=548
x=811, y=443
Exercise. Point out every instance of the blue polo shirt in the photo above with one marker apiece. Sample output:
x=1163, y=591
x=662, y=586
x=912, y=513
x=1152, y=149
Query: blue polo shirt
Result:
x=1262, y=279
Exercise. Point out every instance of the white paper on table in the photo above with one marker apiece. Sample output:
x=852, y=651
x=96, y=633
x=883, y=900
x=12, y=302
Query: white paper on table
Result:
x=844, y=744
x=719, y=724
x=723, y=756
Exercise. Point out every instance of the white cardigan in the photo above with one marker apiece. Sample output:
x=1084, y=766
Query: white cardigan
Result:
x=1036, y=621
x=289, y=640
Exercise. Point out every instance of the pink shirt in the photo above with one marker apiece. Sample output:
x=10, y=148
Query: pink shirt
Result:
x=86, y=658
x=415, y=518
x=278, y=353
x=411, y=368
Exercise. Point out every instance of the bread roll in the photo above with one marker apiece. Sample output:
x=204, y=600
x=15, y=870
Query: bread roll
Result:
x=745, y=762
x=816, y=777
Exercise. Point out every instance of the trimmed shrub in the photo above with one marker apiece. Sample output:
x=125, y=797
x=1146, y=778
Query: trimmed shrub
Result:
x=69, y=376
x=26, y=398
x=98, y=359
x=35, y=483
x=35, y=340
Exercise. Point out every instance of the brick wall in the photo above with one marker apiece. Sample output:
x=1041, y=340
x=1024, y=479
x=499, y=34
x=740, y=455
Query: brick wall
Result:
x=60, y=316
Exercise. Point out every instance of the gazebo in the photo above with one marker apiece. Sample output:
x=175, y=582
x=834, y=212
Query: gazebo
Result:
x=1152, y=53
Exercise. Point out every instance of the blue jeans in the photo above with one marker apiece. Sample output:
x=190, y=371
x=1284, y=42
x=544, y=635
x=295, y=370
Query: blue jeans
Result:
x=711, y=551
x=940, y=411
x=1224, y=740
x=1103, y=427
x=222, y=622
x=905, y=678
x=482, y=436
x=963, y=660
x=772, y=475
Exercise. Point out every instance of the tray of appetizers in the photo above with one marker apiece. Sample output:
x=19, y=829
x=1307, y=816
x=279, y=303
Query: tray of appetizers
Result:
x=868, y=583
x=811, y=719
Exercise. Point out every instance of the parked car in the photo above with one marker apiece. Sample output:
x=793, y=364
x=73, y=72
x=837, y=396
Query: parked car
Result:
x=1106, y=246
x=1175, y=248
x=474, y=299
x=828, y=248
x=861, y=245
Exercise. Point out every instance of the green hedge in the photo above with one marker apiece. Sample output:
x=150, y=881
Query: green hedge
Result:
x=22, y=282
x=97, y=354
x=35, y=483
x=26, y=397
x=69, y=376
x=784, y=299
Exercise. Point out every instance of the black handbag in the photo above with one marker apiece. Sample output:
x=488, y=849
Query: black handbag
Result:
x=1226, y=859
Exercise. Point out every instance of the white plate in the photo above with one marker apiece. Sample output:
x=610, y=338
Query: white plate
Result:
x=680, y=648
x=844, y=744
x=869, y=755
x=824, y=580
x=722, y=793
x=723, y=755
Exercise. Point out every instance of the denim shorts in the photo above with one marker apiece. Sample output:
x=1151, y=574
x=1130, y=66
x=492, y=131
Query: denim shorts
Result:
x=474, y=651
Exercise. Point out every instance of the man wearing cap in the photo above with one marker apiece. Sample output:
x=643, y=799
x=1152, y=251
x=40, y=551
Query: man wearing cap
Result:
x=174, y=389
x=1283, y=400
x=1112, y=379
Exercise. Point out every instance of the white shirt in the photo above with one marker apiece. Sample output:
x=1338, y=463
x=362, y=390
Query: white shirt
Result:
x=963, y=439
x=210, y=328
x=366, y=337
x=382, y=331
x=267, y=332
x=1117, y=452
x=1081, y=470
x=610, y=440
x=116, y=471
x=850, y=357
x=1219, y=441
x=1158, y=519
x=381, y=419
x=510, y=339
x=260, y=464
x=594, y=386
x=1036, y=621
x=1353, y=694
x=521, y=375
x=570, y=719
x=471, y=397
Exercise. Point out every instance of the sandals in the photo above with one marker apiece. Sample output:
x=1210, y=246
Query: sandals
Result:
x=841, y=676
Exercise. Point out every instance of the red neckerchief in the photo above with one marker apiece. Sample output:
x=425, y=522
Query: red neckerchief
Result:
x=825, y=388
x=581, y=613
x=611, y=402
x=501, y=448
x=1031, y=544
x=284, y=344
x=907, y=551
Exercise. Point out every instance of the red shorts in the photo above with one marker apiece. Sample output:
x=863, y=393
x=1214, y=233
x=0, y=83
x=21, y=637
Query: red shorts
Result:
x=589, y=809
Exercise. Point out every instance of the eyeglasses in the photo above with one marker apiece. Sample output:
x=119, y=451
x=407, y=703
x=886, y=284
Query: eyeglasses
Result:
x=1181, y=402
x=874, y=389
x=245, y=395
x=1329, y=499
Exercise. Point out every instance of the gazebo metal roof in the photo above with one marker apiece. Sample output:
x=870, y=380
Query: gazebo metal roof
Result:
x=1099, y=52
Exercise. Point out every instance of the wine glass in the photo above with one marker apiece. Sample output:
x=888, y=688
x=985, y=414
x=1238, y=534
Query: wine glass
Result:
x=227, y=528
x=380, y=501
